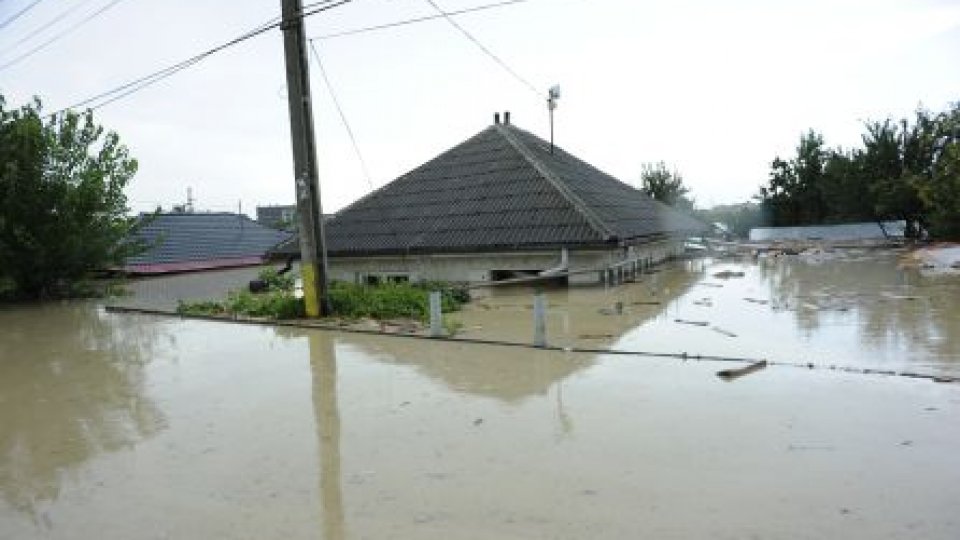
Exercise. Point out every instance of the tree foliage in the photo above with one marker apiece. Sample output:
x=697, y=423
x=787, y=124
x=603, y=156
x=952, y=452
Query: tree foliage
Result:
x=664, y=185
x=62, y=205
x=906, y=170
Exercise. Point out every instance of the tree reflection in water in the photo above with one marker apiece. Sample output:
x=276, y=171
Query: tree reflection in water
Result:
x=895, y=308
x=71, y=387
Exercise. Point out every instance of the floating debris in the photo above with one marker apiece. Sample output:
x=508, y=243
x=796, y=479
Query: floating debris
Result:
x=722, y=331
x=705, y=302
x=757, y=301
x=727, y=274
x=730, y=374
x=694, y=323
x=704, y=284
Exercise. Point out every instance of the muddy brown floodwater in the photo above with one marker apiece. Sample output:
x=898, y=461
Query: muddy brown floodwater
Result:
x=123, y=426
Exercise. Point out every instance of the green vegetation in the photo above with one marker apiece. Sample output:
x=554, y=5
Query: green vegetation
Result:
x=665, y=186
x=907, y=170
x=276, y=281
x=349, y=301
x=62, y=206
x=392, y=300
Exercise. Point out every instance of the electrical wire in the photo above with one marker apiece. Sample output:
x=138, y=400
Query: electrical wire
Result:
x=51, y=22
x=18, y=14
x=487, y=51
x=119, y=92
x=343, y=117
x=416, y=20
x=60, y=35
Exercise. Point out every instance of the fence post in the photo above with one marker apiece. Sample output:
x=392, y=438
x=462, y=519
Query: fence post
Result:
x=539, y=320
x=436, y=316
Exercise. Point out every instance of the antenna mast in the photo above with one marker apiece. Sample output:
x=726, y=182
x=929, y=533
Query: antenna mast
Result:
x=553, y=96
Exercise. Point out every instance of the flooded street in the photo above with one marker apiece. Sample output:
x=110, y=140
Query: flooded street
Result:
x=128, y=426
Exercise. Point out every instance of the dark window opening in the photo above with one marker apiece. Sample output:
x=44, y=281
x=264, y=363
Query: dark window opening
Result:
x=503, y=275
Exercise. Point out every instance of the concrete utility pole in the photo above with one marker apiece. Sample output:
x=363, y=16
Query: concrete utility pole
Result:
x=313, y=253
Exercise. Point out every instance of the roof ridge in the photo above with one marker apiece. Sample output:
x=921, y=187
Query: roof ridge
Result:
x=557, y=183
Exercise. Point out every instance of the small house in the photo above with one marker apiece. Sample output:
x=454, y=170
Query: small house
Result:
x=500, y=205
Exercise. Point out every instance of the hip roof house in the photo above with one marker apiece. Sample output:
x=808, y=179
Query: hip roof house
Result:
x=187, y=241
x=498, y=205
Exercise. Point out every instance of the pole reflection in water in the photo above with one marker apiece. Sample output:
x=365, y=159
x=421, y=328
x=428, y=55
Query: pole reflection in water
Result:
x=323, y=367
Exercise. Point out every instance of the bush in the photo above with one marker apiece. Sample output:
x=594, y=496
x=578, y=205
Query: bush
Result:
x=274, y=305
x=276, y=281
x=388, y=301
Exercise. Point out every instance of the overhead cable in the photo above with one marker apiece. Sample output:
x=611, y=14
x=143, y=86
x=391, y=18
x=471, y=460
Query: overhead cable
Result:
x=483, y=48
x=105, y=98
x=416, y=20
x=73, y=7
x=18, y=14
x=60, y=35
x=343, y=117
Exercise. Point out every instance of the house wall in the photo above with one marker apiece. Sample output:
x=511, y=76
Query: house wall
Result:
x=477, y=267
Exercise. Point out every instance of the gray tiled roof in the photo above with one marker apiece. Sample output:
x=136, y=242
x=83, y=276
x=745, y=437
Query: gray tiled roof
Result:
x=500, y=189
x=203, y=236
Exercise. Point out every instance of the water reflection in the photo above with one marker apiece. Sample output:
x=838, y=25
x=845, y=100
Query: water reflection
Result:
x=323, y=367
x=71, y=387
x=895, y=308
x=505, y=373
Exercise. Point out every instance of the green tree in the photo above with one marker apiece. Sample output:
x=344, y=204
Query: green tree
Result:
x=62, y=206
x=664, y=185
x=940, y=189
x=797, y=190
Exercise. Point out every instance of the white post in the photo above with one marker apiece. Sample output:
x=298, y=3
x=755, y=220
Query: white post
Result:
x=539, y=320
x=436, y=317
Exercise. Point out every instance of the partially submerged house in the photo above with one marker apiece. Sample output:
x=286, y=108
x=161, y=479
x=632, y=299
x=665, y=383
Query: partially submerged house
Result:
x=501, y=204
x=187, y=241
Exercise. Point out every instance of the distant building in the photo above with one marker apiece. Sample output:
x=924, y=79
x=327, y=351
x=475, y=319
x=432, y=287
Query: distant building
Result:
x=182, y=242
x=281, y=216
x=870, y=230
x=500, y=205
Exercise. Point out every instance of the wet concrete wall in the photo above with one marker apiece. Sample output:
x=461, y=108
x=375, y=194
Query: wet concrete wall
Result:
x=478, y=267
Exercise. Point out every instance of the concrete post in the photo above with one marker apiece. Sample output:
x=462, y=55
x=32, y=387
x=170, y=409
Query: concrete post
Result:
x=313, y=253
x=436, y=316
x=539, y=320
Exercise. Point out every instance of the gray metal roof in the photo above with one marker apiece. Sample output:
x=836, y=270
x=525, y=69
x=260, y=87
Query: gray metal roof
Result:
x=500, y=189
x=202, y=236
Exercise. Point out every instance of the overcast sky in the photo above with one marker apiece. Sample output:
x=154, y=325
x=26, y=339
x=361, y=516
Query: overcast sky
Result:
x=715, y=89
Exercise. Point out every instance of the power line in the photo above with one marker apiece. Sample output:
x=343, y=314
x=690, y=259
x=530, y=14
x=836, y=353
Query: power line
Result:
x=17, y=15
x=56, y=37
x=487, y=51
x=416, y=20
x=343, y=117
x=51, y=22
x=105, y=98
